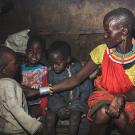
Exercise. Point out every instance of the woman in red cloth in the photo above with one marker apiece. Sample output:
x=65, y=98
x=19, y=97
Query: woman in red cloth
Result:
x=113, y=101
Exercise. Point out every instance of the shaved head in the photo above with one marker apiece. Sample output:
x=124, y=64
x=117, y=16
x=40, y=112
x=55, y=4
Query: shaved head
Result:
x=122, y=17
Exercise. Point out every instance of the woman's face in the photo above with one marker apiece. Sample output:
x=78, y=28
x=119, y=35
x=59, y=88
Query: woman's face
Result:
x=112, y=33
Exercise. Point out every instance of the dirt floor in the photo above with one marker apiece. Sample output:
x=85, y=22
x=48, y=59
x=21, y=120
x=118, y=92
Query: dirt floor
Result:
x=63, y=130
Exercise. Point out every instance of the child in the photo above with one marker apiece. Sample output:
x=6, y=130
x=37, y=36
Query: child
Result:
x=70, y=104
x=114, y=98
x=34, y=74
x=14, y=118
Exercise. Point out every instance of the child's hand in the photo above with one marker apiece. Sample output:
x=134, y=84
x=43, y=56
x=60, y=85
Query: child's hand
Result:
x=116, y=107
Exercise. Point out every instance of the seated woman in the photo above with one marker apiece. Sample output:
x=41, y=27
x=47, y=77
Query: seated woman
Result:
x=114, y=98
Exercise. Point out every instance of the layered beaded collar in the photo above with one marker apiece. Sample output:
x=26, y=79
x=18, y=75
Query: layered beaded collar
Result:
x=121, y=58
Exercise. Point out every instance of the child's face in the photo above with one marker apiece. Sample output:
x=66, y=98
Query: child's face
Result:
x=11, y=66
x=113, y=33
x=33, y=54
x=58, y=63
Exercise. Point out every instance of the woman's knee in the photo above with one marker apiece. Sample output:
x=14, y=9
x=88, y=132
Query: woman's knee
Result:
x=101, y=117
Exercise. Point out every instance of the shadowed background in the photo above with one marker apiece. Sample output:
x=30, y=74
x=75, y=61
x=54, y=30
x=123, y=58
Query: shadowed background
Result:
x=79, y=22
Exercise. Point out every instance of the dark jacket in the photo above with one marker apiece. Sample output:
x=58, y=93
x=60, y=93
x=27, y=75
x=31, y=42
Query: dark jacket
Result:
x=75, y=101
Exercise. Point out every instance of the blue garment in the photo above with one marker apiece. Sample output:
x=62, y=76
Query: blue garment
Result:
x=80, y=93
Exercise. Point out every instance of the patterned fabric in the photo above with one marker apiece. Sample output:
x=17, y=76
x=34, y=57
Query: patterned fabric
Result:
x=114, y=81
x=97, y=57
x=102, y=97
x=35, y=77
x=14, y=118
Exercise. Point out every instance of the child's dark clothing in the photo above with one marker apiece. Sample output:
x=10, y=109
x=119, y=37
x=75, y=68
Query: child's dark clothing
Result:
x=74, y=100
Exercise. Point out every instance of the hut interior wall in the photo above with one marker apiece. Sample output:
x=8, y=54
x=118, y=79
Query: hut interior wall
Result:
x=79, y=22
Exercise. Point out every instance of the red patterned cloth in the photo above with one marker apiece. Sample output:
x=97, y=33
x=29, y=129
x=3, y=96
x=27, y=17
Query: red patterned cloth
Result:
x=44, y=100
x=113, y=81
x=36, y=77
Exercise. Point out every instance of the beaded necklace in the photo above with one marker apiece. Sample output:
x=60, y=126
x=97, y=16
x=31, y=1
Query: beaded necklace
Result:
x=121, y=58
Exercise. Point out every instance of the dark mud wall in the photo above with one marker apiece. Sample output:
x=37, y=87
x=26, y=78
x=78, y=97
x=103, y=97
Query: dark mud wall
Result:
x=79, y=22
x=73, y=16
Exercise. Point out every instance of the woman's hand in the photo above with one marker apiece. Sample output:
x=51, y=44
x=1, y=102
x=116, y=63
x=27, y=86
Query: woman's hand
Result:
x=116, y=107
